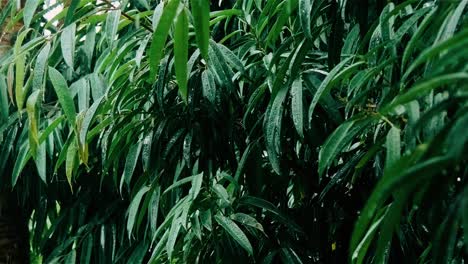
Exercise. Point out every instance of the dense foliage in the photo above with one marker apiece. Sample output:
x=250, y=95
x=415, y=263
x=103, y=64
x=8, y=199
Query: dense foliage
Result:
x=266, y=131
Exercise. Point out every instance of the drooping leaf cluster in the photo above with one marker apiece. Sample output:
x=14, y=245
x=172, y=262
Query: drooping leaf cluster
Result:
x=248, y=131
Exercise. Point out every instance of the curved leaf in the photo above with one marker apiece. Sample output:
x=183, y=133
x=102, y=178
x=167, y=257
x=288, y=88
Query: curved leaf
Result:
x=63, y=94
x=236, y=233
x=201, y=19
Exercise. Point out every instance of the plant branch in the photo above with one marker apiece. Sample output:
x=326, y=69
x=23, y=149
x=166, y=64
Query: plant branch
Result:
x=128, y=16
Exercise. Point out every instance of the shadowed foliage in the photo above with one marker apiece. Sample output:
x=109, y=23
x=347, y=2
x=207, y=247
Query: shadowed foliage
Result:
x=248, y=131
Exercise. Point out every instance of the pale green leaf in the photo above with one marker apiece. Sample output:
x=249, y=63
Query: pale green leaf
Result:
x=112, y=23
x=236, y=233
x=297, y=107
x=40, y=67
x=196, y=185
x=131, y=161
x=29, y=10
x=393, y=146
x=247, y=220
x=71, y=163
x=63, y=94
x=173, y=233
x=67, y=43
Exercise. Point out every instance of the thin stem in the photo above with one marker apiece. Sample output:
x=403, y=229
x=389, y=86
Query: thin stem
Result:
x=128, y=16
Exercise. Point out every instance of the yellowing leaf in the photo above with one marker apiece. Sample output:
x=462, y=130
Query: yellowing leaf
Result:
x=33, y=116
x=70, y=162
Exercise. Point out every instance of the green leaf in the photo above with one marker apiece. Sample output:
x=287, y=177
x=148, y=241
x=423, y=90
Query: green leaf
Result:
x=393, y=146
x=218, y=66
x=157, y=14
x=459, y=40
x=201, y=20
x=296, y=106
x=139, y=253
x=89, y=45
x=236, y=233
x=140, y=51
x=71, y=162
x=196, y=185
x=181, y=52
x=209, y=86
x=273, y=129
x=63, y=94
x=41, y=163
x=71, y=11
x=464, y=216
x=341, y=137
x=160, y=35
x=205, y=218
x=269, y=207
x=288, y=256
x=86, y=249
x=231, y=58
x=396, y=177
x=360, y=252
x=20, y=64
x=21, y=159
x=33, y=116
x=457, y=138
x=19, y=81
x=305, y=7
x=195, y=224
x=90, y=113
x=153, y=209
x=67, y=42
x=222, y=194
x=29, y=10
x=247, y=220
x=4, y=111
x=173, y=233
x=63, y=152
x=158, y=249
x=40, y=67
x=422, y=88
x=131, y=161
x=52, y=126
x=112, y=23
x=178, y=183
x=416, y=37
x=241, y=166
x=133, y=208
x=332, y=79
x=453, y=20
x=144, y=3
x=351, y=43
x=71, y=257
x=287, y=8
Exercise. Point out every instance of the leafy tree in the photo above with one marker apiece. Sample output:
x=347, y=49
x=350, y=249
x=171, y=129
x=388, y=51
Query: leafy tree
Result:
x=280, y=131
